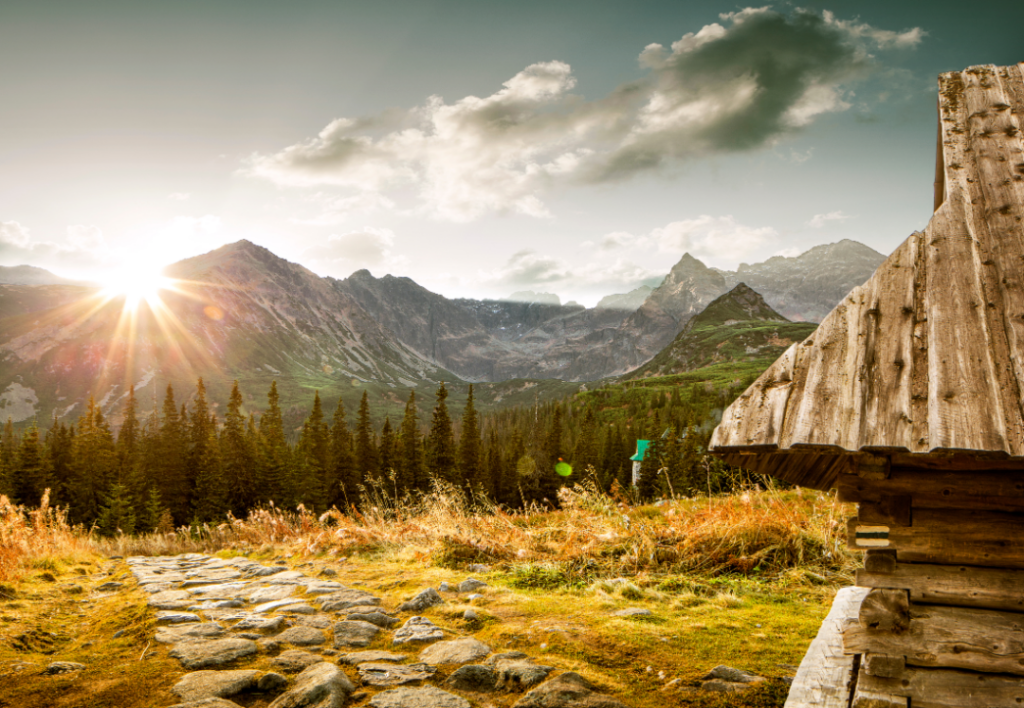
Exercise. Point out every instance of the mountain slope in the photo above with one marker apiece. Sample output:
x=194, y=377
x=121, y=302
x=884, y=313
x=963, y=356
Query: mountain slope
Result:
x=31, y=275
x=738, y=326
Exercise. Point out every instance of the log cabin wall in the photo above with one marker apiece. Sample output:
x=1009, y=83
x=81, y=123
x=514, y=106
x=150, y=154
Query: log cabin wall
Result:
x=943, y=623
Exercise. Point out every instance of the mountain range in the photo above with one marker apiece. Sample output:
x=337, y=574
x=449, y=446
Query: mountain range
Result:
x=240, y=312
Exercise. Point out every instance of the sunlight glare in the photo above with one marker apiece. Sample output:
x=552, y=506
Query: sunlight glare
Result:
x=135, y=285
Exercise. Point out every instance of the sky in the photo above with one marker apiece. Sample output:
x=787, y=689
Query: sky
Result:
x=578, y=147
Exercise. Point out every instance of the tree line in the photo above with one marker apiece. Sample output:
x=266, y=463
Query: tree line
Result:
x=183, y=465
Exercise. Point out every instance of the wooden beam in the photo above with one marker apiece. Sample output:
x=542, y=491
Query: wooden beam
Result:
x=885, y=610
x=880, y=560
x=943, y=688
x=990, y=641
x=823, y=679
x=890, y=510
x=865, y=698
x=885, y=665
x=958, y=585
x=1000, y=490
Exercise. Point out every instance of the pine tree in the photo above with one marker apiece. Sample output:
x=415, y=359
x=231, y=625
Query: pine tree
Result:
x=30, y=471
x=199, y=435
x=441, y=441
x=470, y=473
x=411, y=474
x=8, y=448
x=343, y=487
x=493, y=466
x=168, y=461
x=314, y=458
x=117, y=514
x=388, y=453
x=152, y=510
x=238, y=459
x=211, y=493
x=551, y=455
x=128, y=436
x=273, y=464
x=94, y=466
x=59, y=446
x=365, y=452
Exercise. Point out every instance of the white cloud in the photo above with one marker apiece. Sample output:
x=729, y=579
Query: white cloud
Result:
x=84, y=247
x=819, y=220
x=14, y=234
x=370, y=247
x=337, y=210
x=709, y=92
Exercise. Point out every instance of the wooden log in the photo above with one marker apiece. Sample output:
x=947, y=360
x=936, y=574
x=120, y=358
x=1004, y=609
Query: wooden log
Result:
x=823, y=679
x=880, y=560
x=945, y=688
x=885, y=610
x=948, y=537
x=997, y=490
x=866, y=698
x=871, y=467
x=990, y=641
x=885, y=665
x=889, y=510
x=958, y=585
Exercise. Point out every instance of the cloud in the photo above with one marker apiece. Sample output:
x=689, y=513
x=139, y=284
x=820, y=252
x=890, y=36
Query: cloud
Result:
x=344, y=253
x=819, y=220
x=716, y=238
x=739, y=85
x=337, y=210
x=84, y=246
x=179, y=196
x=14, y=235
x=527, y=267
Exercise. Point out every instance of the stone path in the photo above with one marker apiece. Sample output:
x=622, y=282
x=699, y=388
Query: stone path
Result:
x=220, y=615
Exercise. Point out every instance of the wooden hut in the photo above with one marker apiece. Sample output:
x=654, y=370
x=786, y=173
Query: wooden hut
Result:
x=909, y=398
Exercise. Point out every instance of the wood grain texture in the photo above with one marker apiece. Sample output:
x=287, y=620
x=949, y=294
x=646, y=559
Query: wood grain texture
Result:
x=946, y=688
x=958, y=585
x=927, y=356
x=824, y=677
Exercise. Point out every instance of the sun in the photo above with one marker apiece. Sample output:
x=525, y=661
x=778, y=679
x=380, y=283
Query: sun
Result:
x=135, y=285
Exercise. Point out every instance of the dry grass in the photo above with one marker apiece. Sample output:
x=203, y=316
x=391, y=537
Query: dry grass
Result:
x=766, y=534
x=32, y=537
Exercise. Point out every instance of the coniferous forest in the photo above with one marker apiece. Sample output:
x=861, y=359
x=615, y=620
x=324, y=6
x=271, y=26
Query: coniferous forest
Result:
x=187, y=466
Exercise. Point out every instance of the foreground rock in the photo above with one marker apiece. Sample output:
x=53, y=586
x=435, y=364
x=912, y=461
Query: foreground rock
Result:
x=214, y=684
x=387, y=675
x=63, y=667
x=201, y=655
x=569, y=690
x=455, y=651
x=418, y=629
x=425, y=697
x=426, y=599
x=516, y=672
x=208, y=703
x=353, y=633
x=321, y=685
x=294, y=660
x=725, y=679
x=473, y=677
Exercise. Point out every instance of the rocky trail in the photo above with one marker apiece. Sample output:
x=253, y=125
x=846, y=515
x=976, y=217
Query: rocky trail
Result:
x=328, y=645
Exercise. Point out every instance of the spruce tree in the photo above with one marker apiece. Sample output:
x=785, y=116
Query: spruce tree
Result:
x=343, y=486
x=238, y=459
x=274, y=456
x=388, y=453
x=30, y=472
x=128, y=436
x=94, y=465
x=168, y=461
x=199, y=429
x=59, y=444
x=492, y=468
x=441, y=440
x=211, y=493
x=365, y=452
x=8, y=448
x=470, y=472
x=314, y=458
x=411, y=474
x=117, y=514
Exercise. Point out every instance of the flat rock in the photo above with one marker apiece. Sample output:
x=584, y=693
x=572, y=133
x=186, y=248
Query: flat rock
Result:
x=272, y=683
x=727, y=673
x=386, y=675
x=344, y=599
x=568, y=690
x=110, y=586
x=418, y=629
x=271, y=606
x=62, y=667
x=299, y=608
x=315, y=620
x=473, y=677
x=515, y=674
x=174, y=617
x=321, y=685
x=360, y=657
x=323, y=587
x=293, y=661
x=378, y=618
x=350, y=633
x=216, y=652
x=720, y=686
x=170, y=600
x=301, y=637
x=365, y=609
x=423, y=697
x=633, y=612
x=471, y=585
x=214, y=684
x=216, y=605
x=455, y=651
x=267, y=625
x=423, y=600
x=271, y=592
x=188, y=633
x=208, y=703
x=222, y=590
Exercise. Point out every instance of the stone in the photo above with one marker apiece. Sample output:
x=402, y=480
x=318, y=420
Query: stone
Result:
x=216, y=652
x=293, y=661
x=170, y=600
x=216, y=605
x=328, y=572
x=455, y=651
x=267, y=625
x=300, y=608
x=208, y=703
x=471, y=584
x=222, y=590
x=633, y=612
x=271, y=606
x=214, y=684
x=418, y=629
x=173, y=617
x=350, y=633
x=261, y=571
x=62, y=667
x=473, y=677
x=188, y=633
x=366, y=609
x=423, y=600
x=344, y=599
x=272, y=683
x=720, y=686
x=519, y=674
x=568, y=690
x=110, y=586
x=323, y=587
x=318, y=621
x=378, y=618
x=360, y=657
x=423, y=697
x=386, y=675
x=470, y=615
x=478, y=568
x=321, y=685
x=270, y=593
x=474, y=596
x=301, y=636
x=727, y=673
x=444, y=587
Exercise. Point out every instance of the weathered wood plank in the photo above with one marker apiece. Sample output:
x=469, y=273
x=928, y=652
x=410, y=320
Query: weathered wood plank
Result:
x=885, y=610
x=865, y=698
x=888, y=510
x=938, y=489
x=957, y=585
x=880, y=560
x=946, y=688
x=885, y=665
x=991, y=641
x=823, y=679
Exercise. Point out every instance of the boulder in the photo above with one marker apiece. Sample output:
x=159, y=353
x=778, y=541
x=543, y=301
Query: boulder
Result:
x=188, y=633
x=294, y=660
x=378, y=618
x=204, y=654
x=424, y=697
x=174, y=617
x=214, y=684
x=471, y=585
x=633, y=612
x=386, y=675
x=321, y=685
x=418, y=629
x=267, y=625
x=455, y=651
x=423, y=600
x=344, y=599
x=62, y=667
x=271, y=592
x=360, y=657
x=350, y=633
x=569, y=690
x=272, y=683
x=473, y=677
x=518, y=673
